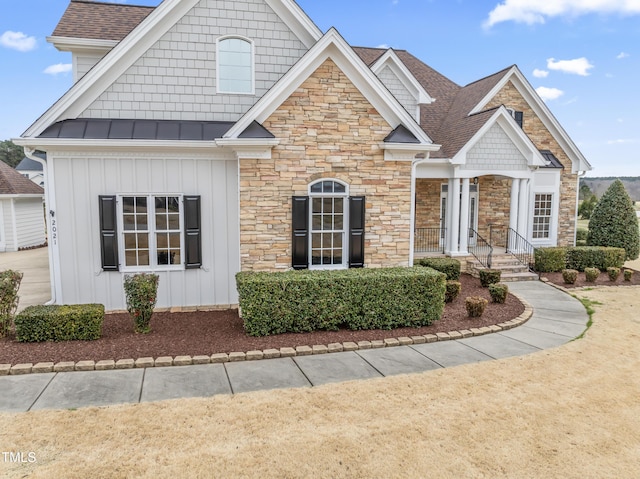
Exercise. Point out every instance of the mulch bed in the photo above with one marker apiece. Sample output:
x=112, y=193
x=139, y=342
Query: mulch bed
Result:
x=601, y=280
x=206, y=333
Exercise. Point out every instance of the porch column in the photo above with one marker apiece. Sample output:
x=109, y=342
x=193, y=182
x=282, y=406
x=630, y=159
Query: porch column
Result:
x=464, y=217
x=513, y=212
x=523, y=207
x=454, y=194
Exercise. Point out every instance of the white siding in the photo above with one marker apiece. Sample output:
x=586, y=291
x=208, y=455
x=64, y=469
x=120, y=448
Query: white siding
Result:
x=6, y=228
x=29, y=222
x=495, y=151
x=402, y=94
x=83, y=62
x=175, y=79
x=80, y=180
x=546, y=181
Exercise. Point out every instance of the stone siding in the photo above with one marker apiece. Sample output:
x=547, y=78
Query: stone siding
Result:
x=327, y=130
x=542, y=138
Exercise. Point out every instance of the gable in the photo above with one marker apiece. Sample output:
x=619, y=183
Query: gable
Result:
x=399, y=90
x=495, y=151
x=176, y=78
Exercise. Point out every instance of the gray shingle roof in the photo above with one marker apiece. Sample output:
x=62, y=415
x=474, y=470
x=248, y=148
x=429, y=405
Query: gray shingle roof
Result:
x=13, y=183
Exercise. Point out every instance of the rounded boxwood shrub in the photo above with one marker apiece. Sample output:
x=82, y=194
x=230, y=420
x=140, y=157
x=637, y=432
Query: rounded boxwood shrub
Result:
x=550, y=260
x=614, y=222
x=475, y=306
x=498, y=292
x=489, y=276
x=453, y=290
x=591, y=274
x=613, y=273
x=141, y=291
x=628, y=274
x=448, y=266
x=569, y=276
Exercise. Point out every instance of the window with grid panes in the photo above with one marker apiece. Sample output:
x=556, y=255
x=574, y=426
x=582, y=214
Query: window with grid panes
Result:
x=328, y=224
x=542, y=216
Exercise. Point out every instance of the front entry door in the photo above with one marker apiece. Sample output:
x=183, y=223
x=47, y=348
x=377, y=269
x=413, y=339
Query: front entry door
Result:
x=473, y=212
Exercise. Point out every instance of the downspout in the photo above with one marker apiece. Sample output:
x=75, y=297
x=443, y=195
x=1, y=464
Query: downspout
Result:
x=49, y=203
x=412, y=223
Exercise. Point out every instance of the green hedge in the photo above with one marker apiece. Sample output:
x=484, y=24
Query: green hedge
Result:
x=552, y=260
x=299, y=301
x=448, y=266
x=60, y=323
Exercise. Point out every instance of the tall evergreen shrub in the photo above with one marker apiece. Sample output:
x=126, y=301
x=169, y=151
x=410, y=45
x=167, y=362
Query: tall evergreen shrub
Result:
x=614, y=222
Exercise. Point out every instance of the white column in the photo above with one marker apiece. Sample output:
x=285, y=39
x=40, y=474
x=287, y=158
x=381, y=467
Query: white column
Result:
x=464, y=217
x=523, y=207
x=454, y=191
x=448, y=215
x=513, y=212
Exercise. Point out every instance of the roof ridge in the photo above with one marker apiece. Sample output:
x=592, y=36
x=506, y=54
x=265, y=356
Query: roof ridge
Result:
x=114, y=3
x=490, y=75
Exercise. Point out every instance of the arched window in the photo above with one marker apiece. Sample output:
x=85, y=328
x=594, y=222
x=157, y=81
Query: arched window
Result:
x=234, y=65
x=328, y=232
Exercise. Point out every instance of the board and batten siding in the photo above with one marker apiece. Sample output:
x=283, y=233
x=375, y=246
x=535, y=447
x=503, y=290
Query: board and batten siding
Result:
x=176, y=78
x=80, y=179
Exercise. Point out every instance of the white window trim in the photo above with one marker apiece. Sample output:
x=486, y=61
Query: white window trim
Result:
x=152, y=235
x=253, y=66
x=345, y=214
x=553, y=223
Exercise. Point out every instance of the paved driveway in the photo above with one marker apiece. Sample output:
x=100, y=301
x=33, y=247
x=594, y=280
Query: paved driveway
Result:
x=34, y=264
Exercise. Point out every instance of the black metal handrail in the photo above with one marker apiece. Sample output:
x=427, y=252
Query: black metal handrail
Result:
x=519, y=247
x=481, y=250
x=429, y=240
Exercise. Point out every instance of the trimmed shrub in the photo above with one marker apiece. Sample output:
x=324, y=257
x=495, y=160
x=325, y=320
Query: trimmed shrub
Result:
x=452, y=291
x=591, y=274
x=582, y=234
x=475, y=306
x=613, y=273
x=569, y=276
x=498, y=292
x=448, y=266
x=141, y=291
x=550, y=260
x=614, y=222
x=600, y=257
x=308, y=300
x=628, y=274
x=9, y=286
x=489, y=276
x=60, y=323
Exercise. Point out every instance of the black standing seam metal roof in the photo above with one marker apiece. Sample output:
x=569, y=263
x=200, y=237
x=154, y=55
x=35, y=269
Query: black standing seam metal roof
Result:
x=401, y=135
x=552, y=161
x=100, y=129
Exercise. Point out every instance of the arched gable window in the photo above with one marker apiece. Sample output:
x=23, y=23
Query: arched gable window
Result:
x=234, y=65
x=328, y=227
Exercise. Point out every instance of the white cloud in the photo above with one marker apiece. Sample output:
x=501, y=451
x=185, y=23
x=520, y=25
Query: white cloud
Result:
x=537, y=11
x=622, y=141
x=540, y=73
x=579, y=66
x=58, y=68
x=384, y=45
x=548, y=94
x=17, y=41
x=622, y=55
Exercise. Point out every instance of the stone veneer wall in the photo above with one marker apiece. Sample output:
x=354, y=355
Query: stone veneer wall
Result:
x=428, y=202
x=542, y=138
x=327, y=130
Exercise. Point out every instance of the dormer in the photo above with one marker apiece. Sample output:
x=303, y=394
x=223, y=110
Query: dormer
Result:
x=393, y=73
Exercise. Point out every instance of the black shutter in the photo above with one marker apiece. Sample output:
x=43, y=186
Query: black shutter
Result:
x=108, y=233
x=192, y=232
x=356, y=231
x=300, y=235
x=519, y=116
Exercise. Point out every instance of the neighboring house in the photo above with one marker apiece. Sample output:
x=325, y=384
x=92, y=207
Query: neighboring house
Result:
x=32, y=170
x=203, y=137
x=21, y=211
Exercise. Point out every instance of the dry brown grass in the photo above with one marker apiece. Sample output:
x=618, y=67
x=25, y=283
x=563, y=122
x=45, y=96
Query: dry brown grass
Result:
x=571, y=412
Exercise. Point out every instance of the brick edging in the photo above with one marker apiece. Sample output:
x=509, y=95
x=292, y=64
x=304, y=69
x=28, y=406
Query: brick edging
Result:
x=67, y=366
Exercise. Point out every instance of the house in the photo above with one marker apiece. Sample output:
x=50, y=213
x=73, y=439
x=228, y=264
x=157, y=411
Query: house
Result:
x=206, y=137
x=32, y=170
x=21, y=211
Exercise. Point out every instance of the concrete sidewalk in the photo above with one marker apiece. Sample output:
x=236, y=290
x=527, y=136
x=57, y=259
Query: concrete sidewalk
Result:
x=34, y=264
x=557, y=318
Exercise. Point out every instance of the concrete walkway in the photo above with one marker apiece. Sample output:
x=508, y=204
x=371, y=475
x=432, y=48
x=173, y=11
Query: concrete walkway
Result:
x=557, y=319
x=34, y=264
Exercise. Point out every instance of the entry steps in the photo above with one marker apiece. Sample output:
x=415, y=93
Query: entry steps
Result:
x=512, y=269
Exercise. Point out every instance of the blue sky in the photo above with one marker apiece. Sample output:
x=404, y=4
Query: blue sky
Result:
x=583, y=57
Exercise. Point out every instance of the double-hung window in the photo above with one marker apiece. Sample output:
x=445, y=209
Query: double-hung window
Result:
x=150, y=232
x=542, y=212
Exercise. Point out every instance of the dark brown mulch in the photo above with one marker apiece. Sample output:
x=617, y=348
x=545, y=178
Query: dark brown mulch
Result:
x=602, y=280
x=206, y=333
